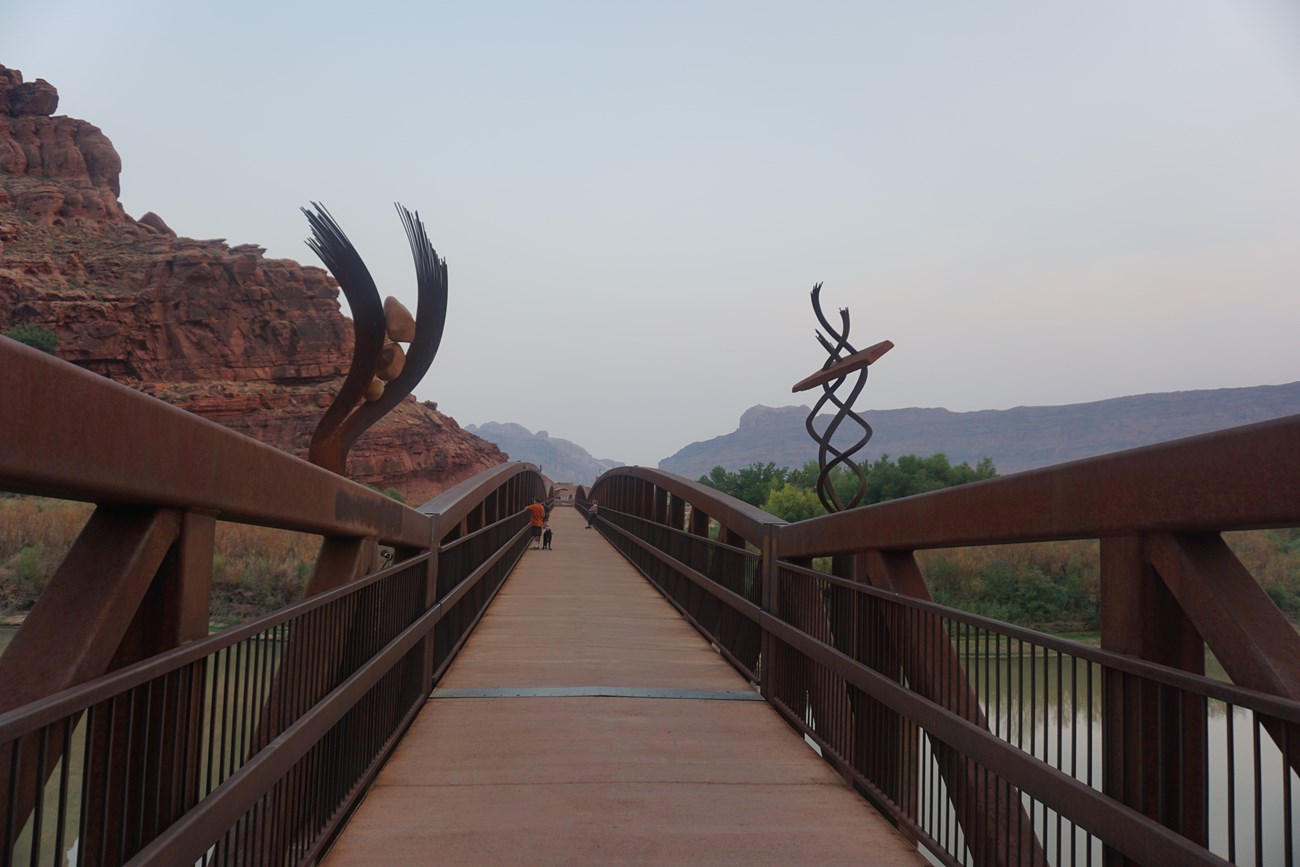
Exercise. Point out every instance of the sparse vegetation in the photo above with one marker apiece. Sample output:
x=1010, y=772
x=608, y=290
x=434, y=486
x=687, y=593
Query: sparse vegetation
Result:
x=1053, y=586
x=1273, y=557
x=34, y=336
x=254, y=569
x=35, y=535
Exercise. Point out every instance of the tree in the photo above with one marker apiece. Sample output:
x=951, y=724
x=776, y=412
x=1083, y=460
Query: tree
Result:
x=720, y=480
x=34, y=336
x=753, y=484
x=792, y=503
x=911, y=475
x=759, y=483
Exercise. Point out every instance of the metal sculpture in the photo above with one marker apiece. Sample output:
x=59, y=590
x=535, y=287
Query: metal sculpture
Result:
x=842, y=361
x=382, y=373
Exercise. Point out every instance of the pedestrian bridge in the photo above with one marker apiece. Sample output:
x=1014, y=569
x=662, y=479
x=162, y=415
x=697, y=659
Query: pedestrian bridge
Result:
x=591, y=723
x=692, y=680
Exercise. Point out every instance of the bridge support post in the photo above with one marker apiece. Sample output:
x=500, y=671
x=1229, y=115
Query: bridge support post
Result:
x=1154, y=737
x=769, y=575
x=160, y=731
x=660, y=515
x=676, y=521
x=728, y=569
x=430, y=599
x=698, y=558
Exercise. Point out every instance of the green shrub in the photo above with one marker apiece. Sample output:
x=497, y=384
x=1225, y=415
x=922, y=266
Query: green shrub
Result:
x=34, y=336
x=29, y=567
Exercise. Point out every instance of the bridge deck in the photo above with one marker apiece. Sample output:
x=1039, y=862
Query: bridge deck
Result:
x=639, y=777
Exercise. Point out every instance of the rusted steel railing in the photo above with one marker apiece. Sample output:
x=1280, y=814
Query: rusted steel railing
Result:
x=993, y=744
x=125, y=732
x=714, y=582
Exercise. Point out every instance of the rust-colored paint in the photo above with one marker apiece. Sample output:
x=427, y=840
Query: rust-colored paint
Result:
x=844, y=366
x=189, y=463
x=1244, y=478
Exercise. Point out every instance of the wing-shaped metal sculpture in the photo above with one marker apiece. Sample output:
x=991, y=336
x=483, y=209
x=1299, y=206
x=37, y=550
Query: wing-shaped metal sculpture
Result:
x=381, y=373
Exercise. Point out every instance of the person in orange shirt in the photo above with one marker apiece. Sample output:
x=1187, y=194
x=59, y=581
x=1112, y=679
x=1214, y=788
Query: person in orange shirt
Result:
x=537, y=517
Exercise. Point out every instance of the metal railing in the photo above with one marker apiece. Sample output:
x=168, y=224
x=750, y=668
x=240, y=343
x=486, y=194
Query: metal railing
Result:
x=125, y=734
x=994, y=744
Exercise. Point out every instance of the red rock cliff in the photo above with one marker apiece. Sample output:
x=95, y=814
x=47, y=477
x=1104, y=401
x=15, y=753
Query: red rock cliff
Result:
x=257, y=344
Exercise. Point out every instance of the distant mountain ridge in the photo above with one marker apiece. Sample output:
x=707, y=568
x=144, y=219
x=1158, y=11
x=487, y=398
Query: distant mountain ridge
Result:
x=560, y=459
x=1016, y=439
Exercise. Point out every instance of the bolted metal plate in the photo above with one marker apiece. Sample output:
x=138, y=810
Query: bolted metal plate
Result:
x=598, y=692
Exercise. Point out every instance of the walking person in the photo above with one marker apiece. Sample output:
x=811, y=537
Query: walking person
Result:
x=536, y=518
x=591, y=514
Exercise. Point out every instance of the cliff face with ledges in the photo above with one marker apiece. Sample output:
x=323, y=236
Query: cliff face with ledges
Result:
x=257, y=344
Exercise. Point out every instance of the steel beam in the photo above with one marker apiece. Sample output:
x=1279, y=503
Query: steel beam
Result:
x=1250, y=637
x=745, y=519
x=78, y=623
x=1214, y=482
x=997, y=829
x=100, y=441
x=1153, y=761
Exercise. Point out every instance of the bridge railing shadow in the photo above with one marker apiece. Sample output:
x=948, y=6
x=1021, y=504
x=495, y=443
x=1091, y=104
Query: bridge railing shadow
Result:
x=995, y=744
x=126, y=732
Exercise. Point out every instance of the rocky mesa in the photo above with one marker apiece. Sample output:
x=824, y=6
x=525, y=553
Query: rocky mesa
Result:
x=259, y=345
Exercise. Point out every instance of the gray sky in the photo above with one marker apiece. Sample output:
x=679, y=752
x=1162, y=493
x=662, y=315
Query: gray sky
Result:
x=1039, y=203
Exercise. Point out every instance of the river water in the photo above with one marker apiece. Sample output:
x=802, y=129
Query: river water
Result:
x=1061, y=726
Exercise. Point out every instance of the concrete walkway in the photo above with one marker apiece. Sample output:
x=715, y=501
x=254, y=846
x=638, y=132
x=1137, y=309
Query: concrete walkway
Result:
x=576, y=778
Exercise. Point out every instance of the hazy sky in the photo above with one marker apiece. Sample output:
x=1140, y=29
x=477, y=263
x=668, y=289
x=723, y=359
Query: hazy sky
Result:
x=1039, y=203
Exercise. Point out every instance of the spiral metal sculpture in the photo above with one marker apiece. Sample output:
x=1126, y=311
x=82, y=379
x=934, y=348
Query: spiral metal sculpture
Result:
x=382, y=373
x=842, y=361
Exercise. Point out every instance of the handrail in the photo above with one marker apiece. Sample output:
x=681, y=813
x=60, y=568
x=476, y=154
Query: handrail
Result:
x=1243, y=478
x=245, y=721
x=454, y=504
x=19, y=721
x=675, y=532
x=1254, y=699
x=469, y=537
x=83, y=437
x=1129, y=831
x=186, y=841
x=736, y=601
x=858, y=660
x=342, y=672
x=736, y=515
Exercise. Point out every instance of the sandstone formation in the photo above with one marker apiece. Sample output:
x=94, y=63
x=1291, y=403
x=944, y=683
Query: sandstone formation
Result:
x=257, y=344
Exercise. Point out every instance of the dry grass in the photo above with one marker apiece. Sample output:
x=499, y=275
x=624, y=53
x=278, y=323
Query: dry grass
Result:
x=258, y=569
x=35, y=535
x=254, y=569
